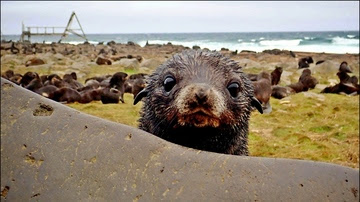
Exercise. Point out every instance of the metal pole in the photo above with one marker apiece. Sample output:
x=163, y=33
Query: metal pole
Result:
x=81, y=27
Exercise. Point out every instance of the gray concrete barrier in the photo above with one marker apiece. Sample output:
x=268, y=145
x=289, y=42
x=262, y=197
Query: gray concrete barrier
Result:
x=50, y=152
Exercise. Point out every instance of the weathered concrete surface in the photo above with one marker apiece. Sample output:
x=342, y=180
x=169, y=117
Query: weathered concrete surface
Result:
x=50, y=152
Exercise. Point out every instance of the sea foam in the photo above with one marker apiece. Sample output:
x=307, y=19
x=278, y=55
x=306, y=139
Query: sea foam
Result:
x=345, y=41
x=294, y=42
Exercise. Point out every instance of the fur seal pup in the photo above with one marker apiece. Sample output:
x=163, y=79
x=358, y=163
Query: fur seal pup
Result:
x=276, y=75
x=8, y=74
x=47, y=91
x=117, y=82
x=344, y=67
x=27, y=78
x=262, y=90
x=309, y=81
x=66, y=95
x=199, y=99
x=279, y=92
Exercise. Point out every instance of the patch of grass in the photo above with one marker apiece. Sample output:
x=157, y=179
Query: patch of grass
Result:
x=307, y=128
x=125, y=113
x=130, y=71
x=339, y=135
x=321, y=129
x=22, y=69
x=253, y=70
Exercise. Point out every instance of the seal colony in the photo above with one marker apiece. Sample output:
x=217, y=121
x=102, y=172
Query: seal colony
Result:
x=199, y=99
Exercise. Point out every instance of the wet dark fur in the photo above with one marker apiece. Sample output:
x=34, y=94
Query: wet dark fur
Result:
x=67, y=95
x=99, y=78
x=35, y=84
x=138, y=76
x=134, y=86
x=308, y=80
x=16, y=78
x=90, y=95
x=276, y=75
x=117, y=81
x=139, y=84
x=298, y=87
x=47, y=91
x=279, y=92
x=344, y=67
x=8, y=74
x=262, y=88
x=347, y=88
x=347, y=85
x=110, y=96
x=159, y=113
x=27, y=78
x=252, y=77
x=304, y=62
x=70, y=79
x=305, y=82
x=343, y=77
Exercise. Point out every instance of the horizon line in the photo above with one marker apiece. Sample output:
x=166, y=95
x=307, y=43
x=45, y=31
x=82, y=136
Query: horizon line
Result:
x=212, y=32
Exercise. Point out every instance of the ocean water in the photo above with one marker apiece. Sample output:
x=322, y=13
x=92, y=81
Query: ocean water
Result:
x=329, y=42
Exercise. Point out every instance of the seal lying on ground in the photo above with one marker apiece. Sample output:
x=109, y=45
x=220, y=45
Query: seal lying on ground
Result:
x=199, y=99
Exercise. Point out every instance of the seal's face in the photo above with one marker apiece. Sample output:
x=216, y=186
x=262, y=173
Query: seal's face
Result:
x=200, y=105
x=345, y=68
x=199, y=89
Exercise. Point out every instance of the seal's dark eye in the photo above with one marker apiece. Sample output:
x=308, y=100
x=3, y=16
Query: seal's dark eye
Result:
x=169, y=83
x=234, y=89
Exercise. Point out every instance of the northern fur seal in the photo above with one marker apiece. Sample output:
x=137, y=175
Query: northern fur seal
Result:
x=262, y=90
x=276, y=75
x=199, y=99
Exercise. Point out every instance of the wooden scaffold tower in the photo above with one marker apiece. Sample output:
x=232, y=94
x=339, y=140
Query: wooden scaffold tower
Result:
x=68, y=28
x=50, y=31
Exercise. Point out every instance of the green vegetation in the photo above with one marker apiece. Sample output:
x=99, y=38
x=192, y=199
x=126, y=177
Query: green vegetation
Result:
x=307, y=128
x=125, y=113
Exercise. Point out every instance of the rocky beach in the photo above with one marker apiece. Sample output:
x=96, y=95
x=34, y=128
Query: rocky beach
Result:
x=63, y=58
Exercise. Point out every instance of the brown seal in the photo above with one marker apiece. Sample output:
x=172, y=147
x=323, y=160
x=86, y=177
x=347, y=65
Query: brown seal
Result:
x=262, y=90
x=276, y=75
x=199, y=99
x=279, y=92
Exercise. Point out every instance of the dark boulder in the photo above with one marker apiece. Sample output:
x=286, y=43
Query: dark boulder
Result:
x=196, y=47
x=111, y=43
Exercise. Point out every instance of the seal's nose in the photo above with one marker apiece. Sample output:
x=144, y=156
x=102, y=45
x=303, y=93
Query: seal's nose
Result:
x=201, y=93
x=201, y=96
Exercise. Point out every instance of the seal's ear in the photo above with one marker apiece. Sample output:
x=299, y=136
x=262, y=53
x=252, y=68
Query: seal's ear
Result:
x=255, y=103
x=140, y=95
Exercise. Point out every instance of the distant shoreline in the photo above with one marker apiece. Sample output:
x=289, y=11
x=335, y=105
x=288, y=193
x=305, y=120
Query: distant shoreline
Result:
x=339, y=42
x=258, y=52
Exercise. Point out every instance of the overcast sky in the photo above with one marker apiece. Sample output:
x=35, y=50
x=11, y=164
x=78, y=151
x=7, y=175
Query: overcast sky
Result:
x=183, y=16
